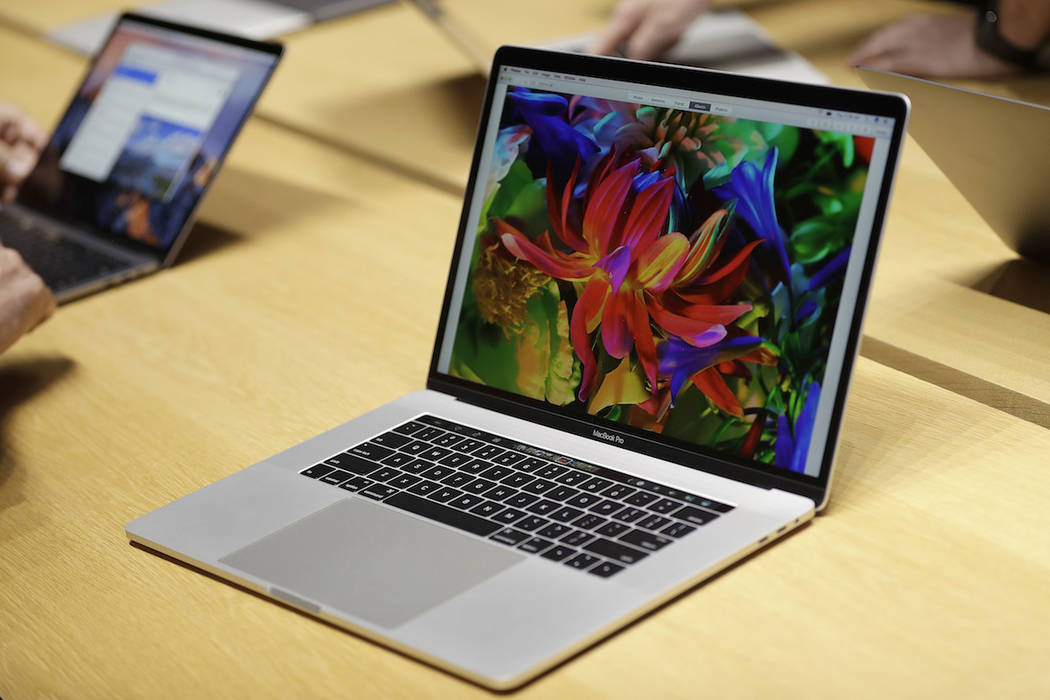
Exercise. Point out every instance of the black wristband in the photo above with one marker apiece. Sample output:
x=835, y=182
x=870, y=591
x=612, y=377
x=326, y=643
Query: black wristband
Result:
x=990, y=38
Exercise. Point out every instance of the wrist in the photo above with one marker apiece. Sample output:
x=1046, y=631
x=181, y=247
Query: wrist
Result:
x=1015, y=31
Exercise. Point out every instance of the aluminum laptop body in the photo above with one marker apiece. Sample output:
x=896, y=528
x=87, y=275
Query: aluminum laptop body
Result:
x=992, y=150
x=653, y=308
x=114, y=192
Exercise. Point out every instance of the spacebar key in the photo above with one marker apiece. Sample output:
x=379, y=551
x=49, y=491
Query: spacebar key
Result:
x=443, y=514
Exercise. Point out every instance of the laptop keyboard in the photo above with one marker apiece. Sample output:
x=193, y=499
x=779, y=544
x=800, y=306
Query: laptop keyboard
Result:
x=584, y=516
x=60, y=261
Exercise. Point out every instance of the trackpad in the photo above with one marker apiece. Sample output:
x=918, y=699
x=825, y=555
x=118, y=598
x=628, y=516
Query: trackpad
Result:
x=371, y=561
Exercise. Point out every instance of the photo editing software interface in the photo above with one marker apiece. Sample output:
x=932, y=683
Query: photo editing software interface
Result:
x=673, y=261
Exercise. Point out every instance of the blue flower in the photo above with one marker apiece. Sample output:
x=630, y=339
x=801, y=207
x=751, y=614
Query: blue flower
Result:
x=753, y=189
x=791, y=451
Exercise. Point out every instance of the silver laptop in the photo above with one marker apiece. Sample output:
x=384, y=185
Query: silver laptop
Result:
x=113, y=194
x=991, y=148
x=653, y=308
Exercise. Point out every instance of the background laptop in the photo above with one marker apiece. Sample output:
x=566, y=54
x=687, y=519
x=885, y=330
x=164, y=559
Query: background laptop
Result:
x=114, y=192
x=991, y=148
x=653, y=309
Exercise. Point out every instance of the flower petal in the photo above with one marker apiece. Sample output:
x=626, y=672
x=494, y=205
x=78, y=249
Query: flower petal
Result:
x=604, y=207
x=587, y=306
x=710, y=382
x=556, y=265
x=648, y=214
x=616, y=336
x=659, y=262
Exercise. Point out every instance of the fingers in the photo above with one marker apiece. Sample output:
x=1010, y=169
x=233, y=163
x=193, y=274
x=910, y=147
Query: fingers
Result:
x=25, y=301
x=625, y=19
x=16, y=161
x=17, y=126
x=648, y=28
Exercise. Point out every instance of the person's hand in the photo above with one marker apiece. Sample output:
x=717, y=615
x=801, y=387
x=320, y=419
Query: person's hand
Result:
x=25, y=301
x=934, y=46
x=21, y=140
x=647, y=28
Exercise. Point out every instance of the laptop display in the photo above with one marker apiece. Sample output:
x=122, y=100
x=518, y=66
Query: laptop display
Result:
x=668, y=261
x=146, y=132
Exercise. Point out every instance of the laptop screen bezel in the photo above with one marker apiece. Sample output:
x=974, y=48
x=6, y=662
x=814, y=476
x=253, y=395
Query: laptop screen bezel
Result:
x=730, y=85
x=164, y=255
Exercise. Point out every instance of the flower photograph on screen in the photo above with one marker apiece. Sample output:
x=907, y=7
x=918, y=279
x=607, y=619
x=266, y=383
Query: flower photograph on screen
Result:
x=670, y=270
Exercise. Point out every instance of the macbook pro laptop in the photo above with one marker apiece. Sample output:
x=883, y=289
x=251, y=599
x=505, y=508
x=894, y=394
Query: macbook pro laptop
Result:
x=113, y=194
x=991, y=148
x=653, y=309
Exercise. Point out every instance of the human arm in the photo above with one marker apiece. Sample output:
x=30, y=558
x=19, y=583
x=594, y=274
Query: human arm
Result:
x=25, y=301
x=21, y=140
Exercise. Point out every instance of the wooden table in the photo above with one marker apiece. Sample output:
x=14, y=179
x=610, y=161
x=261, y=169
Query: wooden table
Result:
x=309, y=294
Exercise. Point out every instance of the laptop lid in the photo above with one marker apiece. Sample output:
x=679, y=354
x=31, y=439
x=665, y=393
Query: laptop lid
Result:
x=147, y=131
x=989, y=147
x=669, y=259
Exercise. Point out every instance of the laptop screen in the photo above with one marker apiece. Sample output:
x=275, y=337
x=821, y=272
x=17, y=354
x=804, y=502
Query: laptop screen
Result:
x=147, y=129
x=677, y=262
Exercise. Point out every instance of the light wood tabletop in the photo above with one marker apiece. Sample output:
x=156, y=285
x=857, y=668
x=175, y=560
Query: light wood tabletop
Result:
x=310, y=294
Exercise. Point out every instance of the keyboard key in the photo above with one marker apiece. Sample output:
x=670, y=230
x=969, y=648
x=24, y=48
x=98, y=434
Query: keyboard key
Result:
x=475, y=466
x=489, y=452
x=535, y=545
x=629, y=514
x=356, y=484
x=510, y=536
x=415, y=448
x=391, y=440
x=443, y=514
x=378, y=491
x=317, y=471
x=488, y=508
x=454, y=460
x=409, y=428
x=398, y=459
x=606, y=507
x=640, y=498
x=573, y=477
x=583, y=500
x=336, y=477
x=371, y=451
x=435, y=453
x=496, y=473
x=653, y=522
x=605, y=569
x=539, y=486
x=445, y=493
x=693, y=515
x=532, y=464
x=552, y=471
x=582, y=561
x=577, y=538
x=466, y=501
x=531, y=522
x=554, y=530
x=566, y=513
x=596, y=484
x=645, y=540
x=479, y=485
x=558, y=553
x=509, y=459
x=665, y=505
x=509, y=515
x=612, y=529
x=560, y=493
x=424, y=487
x=499, y=492
x=469, y=445
x=429, y=434
x=589, y=521
x=619, y=492
x=350, y=463
x=677, y=530
x=615, y=551
x=403, y=481
x=384, y=474
x=437, y=472
x=520, y=500
x=416, y=466
x=517, y=479
x=457, y=479
x=447, y=440
x=543, y=507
